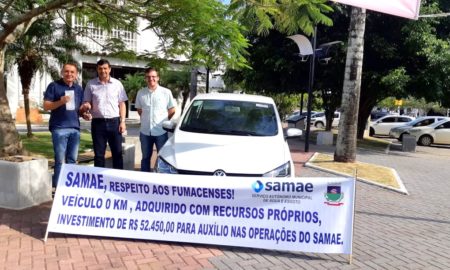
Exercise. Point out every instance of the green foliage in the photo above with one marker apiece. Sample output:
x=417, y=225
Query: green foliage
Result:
x=396, y=80
x=287, y=16
x=38, y=49
x=41, y=144
x=176, y=80
x=274, y=67
x=285, y=103
x=133, y=83
x=413, y=103
x=203, y=32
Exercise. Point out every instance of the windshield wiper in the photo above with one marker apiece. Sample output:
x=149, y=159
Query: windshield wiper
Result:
x=196, y=129
x=238, y=132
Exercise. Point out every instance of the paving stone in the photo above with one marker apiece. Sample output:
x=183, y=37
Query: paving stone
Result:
x=391, y=230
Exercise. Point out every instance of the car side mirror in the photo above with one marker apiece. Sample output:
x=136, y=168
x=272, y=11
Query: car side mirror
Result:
x=169, y=126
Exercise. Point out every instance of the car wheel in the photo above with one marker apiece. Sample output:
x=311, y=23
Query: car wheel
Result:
x=371, y=132
x=425, y=140
x=319, y=125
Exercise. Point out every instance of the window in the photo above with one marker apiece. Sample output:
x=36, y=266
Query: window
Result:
x=446, y=125
x=388, y=120
x=95, y=38
x=403, y=119
x=231, y=118
x=425, y=122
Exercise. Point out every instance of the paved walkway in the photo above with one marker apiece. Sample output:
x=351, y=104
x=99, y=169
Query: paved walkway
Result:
x=392, y=231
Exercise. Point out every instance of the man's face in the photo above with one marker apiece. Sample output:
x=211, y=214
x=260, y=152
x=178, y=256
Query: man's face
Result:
x=103, y=72
x=69, y=74
x=152, y=79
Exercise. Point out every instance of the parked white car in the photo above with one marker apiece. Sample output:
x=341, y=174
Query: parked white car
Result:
x=437, y=133
x=228, y=135
x=383, y=125
x=398, y=132
x=320, y=121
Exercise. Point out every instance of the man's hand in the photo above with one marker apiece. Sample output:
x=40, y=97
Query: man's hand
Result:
x=87, y=116
x=65, y=99
x=85, y=107
x=84, y=111
x=122, y=127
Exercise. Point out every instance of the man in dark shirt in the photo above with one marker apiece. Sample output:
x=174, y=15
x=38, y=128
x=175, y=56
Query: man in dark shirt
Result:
x=63, y=98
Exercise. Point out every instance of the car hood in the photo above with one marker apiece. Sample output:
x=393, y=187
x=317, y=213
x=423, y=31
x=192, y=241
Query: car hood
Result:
x=232, y=154
x=421, y=129
x=401, y=128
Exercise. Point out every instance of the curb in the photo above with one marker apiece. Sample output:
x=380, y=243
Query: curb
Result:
x=401, y=190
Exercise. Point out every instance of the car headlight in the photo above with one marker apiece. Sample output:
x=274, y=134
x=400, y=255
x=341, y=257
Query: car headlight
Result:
x=282, y=171
x=163, y=166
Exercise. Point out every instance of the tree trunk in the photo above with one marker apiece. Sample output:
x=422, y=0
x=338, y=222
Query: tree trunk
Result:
x=10, y=143
x=27, y=69
x=346, y=140
x=26, y=101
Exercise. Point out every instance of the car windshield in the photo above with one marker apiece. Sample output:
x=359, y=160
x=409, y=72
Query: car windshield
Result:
x=231, y=117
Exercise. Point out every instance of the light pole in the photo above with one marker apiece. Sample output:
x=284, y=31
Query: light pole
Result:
x=306, y=49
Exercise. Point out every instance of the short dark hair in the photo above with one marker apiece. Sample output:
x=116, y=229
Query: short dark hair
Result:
x=102, y=62
x=71, y=64
x=149, y=69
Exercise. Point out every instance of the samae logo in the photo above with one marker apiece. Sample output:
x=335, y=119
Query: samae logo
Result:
x=258, y=186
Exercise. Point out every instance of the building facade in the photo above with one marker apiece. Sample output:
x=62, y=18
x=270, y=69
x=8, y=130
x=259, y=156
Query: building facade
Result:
x=140, y=43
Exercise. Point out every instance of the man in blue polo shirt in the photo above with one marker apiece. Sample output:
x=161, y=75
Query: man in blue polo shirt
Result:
x=63, y=98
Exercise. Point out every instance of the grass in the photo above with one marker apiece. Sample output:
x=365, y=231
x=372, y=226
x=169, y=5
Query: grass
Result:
x=41, y=143
x=371, y=143
x=375, y=173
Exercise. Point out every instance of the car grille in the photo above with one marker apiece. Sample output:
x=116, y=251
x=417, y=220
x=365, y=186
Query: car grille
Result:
x=211, y=173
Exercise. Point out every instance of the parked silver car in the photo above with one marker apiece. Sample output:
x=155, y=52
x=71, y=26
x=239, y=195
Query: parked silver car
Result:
x=398, y=132
x=437, y=133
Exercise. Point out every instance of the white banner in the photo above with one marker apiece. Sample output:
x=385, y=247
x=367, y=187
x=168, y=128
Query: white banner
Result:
x=298, y=214
x=403, y=8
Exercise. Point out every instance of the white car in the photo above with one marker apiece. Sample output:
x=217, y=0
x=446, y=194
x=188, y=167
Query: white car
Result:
x=383, y=125
x=320, y=121
x=438, y=133
x=228, y=135
x=398, y=132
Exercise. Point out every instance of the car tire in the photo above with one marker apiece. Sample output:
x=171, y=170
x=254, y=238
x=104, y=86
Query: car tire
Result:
x=425, y=140
x=319, y=125
x=371, y=132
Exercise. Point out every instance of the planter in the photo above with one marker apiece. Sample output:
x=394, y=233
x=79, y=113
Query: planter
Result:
x=24, y=182
x=324, y=138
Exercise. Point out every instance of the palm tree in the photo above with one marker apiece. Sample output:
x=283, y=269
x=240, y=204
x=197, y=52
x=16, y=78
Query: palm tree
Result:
x=346, y=140
x=37, y=50
x=178, y=81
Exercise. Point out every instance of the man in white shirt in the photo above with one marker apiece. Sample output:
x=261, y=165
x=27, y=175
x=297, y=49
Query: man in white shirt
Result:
x=155, y=104
x=104, y=103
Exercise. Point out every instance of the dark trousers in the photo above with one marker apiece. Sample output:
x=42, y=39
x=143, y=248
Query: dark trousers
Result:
x=106, y=130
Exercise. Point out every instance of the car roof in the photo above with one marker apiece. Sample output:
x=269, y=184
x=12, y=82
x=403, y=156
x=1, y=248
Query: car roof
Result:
x=430, y=117
x=440, y=122
x=394, y=115
x=238, y=97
